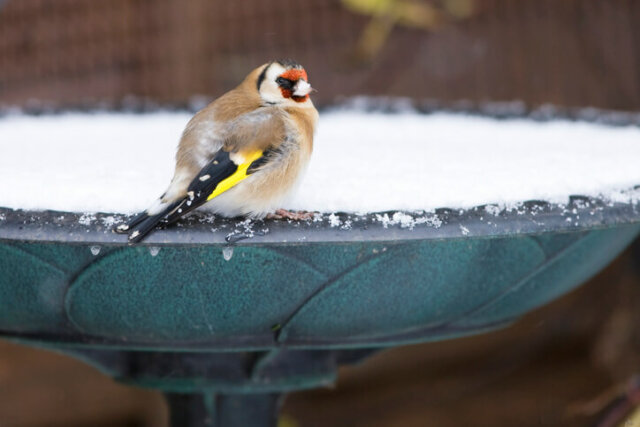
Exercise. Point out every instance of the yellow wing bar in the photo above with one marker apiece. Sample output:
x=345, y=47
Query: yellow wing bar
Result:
x=237, y=176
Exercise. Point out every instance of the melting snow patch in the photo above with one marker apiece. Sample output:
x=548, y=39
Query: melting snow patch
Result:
x=493, y=210
x=432, y=221
x=406, y=220
x=334, y=221
x=245, y=230
x=86, y=219
x=227, y=253
x=109, y=221
x=629, y=196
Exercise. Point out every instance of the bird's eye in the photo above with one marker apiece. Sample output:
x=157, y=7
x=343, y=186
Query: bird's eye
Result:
x=285, y=83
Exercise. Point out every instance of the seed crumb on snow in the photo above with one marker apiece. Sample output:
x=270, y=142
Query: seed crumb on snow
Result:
x=456, y=162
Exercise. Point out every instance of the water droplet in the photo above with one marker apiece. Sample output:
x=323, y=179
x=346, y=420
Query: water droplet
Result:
x=227, y=253
x=153, y=250
x=95, y=250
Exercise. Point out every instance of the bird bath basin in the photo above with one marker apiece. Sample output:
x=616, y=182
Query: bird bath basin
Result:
x=226, y=329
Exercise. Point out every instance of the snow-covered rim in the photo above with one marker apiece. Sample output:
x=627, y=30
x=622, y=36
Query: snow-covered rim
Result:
x=531, y=217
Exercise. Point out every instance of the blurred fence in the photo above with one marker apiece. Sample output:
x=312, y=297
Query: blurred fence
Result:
x=73, y=53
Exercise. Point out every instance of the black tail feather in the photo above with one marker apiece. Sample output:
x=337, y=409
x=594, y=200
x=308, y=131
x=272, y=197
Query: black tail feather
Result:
x=198, y=192
x=143, y=223
x=124, y=228
x=186, y=206
x=139, y=232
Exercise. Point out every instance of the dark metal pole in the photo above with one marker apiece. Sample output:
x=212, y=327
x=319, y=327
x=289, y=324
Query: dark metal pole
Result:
x=223, y=410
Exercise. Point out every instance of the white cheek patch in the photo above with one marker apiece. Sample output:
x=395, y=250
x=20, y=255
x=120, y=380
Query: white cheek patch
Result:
x=274, y=71
x=270, y=93
x=269, y=90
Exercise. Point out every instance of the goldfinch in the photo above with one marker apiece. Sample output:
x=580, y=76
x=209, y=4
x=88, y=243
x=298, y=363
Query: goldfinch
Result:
x=243, y=153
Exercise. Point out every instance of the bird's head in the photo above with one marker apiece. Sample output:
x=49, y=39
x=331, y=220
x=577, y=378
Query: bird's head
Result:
x=284, y=82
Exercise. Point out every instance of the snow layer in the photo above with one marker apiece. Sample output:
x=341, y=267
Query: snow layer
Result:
x=362, y=162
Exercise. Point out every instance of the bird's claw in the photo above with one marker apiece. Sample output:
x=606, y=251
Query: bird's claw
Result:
x=291, y=215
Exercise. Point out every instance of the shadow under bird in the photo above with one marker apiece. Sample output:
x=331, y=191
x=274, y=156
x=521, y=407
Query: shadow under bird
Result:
x=243, y=154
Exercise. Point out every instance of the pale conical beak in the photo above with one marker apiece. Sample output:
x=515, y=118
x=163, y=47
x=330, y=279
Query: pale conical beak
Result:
x=302, y=88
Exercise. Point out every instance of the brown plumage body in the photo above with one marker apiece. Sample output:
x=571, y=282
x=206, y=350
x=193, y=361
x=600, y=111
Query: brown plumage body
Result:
x=232, y=114
x=267, y=113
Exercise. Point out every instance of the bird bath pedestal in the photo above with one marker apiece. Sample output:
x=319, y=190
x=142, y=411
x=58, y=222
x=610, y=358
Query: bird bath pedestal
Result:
x=226, y=330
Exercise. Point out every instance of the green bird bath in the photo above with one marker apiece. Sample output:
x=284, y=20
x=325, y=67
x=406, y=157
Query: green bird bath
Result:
x=227, y=316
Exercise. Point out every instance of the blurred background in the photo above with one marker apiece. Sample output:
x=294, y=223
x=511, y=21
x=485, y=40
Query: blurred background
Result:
x=569, y=364
x=464, y=53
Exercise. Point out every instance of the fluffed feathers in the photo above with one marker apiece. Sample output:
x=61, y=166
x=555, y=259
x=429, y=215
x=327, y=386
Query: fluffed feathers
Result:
x=241, y=154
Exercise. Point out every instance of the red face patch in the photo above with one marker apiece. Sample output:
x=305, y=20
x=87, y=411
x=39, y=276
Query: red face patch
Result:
x=294, y=74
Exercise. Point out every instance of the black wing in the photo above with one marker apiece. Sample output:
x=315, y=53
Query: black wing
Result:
x=218, y=176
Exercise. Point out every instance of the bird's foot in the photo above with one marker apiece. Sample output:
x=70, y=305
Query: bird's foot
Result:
x=292, y=215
